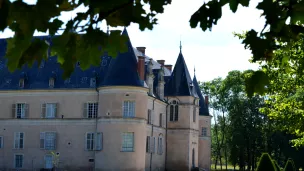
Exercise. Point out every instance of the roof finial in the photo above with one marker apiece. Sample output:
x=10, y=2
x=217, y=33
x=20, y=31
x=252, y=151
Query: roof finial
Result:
x=108, y=30
x=194, y=70
x=180, y=43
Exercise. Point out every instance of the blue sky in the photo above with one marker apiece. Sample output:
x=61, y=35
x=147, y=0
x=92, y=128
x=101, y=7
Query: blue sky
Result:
x=212, y=53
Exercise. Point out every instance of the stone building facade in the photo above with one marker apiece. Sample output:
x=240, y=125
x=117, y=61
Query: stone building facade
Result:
x=130, y=113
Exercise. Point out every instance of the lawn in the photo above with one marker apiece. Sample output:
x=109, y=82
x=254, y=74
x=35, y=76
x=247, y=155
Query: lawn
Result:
x=230, y=167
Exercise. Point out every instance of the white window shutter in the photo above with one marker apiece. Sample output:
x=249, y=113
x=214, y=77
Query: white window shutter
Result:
x=43, y=110
x=14, y=111
x=98, y=141
x=85, y=110
x=148, y=144
x=42, y=140
x=26, y=110
x=56, y=110
x=154, y=144
x=16, y=142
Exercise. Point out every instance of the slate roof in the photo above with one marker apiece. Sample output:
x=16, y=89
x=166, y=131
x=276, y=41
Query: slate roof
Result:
x=123, y=72
x=203, y=111
x=180, y=82
x=123, y=69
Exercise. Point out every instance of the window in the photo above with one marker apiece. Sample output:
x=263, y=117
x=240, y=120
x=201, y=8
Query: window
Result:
x=90, y=110
x=160, y=145
x=90, y=141
x=194, y=113
x=19, y=140
x=129, y=109
x=149, y=116
x=18, y=161
x=48, y=159
x=20, y=110
x=153, y=145
x=160, y=119
x=128, y=141
x=174, y=111
x=204, y=131
x=48, y=140
x=93, y=82
x=49, y=110
x=94, y=141
x=21, y=83
x=1, y=142
x=51, y=82
x=148, y=144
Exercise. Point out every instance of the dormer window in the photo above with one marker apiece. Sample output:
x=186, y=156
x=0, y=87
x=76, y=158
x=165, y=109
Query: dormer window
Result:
x=51, y=82
x=93, y=82
x=174, y=110
x=21, y=83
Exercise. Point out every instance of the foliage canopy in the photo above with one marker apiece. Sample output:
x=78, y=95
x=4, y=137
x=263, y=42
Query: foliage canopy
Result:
x=266, y=163
x=283, y=23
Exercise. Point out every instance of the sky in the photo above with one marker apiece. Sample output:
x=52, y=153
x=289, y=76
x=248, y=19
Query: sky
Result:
x=212, y=54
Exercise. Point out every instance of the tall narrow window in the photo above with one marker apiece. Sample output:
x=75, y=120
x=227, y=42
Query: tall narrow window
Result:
x=90, y=141
x=94, y=141
x=21, y=83
x=204, y=131
x=160, y=119
x=48, y=140
x=92, y=110
x=51, y=109
x=129, y=109
x=48, y=161
x=51, y=82
x=148, y=144
x=174, y=111
x=18, y=140
x=20, y=110
x=160, y=145
x=194, y=113
x=18, y=161
x=1, y=142
x=149, y=116
x=128, y=141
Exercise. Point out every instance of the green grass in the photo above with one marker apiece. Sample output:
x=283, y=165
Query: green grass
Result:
x=230, y=167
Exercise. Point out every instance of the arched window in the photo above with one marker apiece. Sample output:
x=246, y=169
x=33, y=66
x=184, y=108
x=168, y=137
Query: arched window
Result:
x=193, y=157
x=174, y=110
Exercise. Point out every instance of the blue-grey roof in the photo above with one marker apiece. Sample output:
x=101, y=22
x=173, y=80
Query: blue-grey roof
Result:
x=203, y=106
x=180, y=82
x=123, y=72
x=123, y=69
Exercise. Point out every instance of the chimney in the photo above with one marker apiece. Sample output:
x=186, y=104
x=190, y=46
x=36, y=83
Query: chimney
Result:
x=141, y=67
x=169, y=67
x=207, y=100
x=161, y=62
x=141, y=49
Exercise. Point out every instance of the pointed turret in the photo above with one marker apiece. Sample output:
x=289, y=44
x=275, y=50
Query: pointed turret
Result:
x=180, y=81
x=123, y=69
x=203, y=111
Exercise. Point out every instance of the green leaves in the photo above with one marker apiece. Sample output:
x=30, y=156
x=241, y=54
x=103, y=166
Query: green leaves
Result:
x=4, y=11
x=207, y=15
x=82, y=39
x=257, y=82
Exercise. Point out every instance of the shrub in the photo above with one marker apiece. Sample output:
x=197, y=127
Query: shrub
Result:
x=276, y=165
x=265, y=163
x=289, y=166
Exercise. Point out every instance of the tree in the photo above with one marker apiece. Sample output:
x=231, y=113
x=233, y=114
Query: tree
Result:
x=289, y=166
x=283, y=22
x=276, y=165
x=266, y=163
